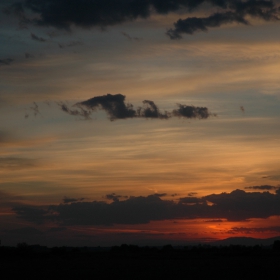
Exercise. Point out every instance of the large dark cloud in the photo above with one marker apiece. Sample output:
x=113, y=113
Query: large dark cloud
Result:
x=102, y=13
x=235, y=206
x=116, y=108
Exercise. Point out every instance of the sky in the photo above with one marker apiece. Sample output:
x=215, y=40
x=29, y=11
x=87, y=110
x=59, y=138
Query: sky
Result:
x=139, y=121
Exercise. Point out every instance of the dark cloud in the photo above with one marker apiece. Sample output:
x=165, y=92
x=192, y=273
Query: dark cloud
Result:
x=36, y=38
x=113, y=104
x=194, y=24
x=130, y=38
x=190, y=200
x=24, y=231
x=240, y=205
x=71, y=44
x=191, y=112
x=32, y=214
x=28, y=55
x=160, y=194
x=15, y=163
x=235, y=206
x=263, y=187
x=174, y=194
x=115, y=197
x=102, y=13
x=34, y=109
x=116, y=108
x=70, y=200
x=250, y=230
x=150, y=110
x=238, y=10
x=214, y=221
x=8, y=200
x=75, y=112
x=192, y=193
x=6, y=61
x=17, y=9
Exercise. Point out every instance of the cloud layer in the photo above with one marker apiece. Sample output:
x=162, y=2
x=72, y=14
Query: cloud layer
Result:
x=235, y=206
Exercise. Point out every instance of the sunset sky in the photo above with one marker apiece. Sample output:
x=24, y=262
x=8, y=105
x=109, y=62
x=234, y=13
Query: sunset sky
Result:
x=139, y=121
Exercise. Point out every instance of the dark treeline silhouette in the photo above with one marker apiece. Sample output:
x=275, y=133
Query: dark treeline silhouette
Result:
x=125, y=250
x=135, y=262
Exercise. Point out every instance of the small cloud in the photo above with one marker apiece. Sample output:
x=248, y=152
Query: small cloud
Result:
x=130, y=38
x=28, y=55
x=192, y=193
x=191, y=112
x=75, y=112
x=115, y=197
x=71, y=44
x=174, y=194
x=36, y=38
x=6, y=61
x=35, y=109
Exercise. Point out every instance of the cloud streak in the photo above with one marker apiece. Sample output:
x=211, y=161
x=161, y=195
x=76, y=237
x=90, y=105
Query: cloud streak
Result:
x=263, y=187
x=116, y=108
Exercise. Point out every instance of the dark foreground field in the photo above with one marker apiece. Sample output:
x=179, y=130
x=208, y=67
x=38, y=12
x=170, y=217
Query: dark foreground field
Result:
x=132, y=262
